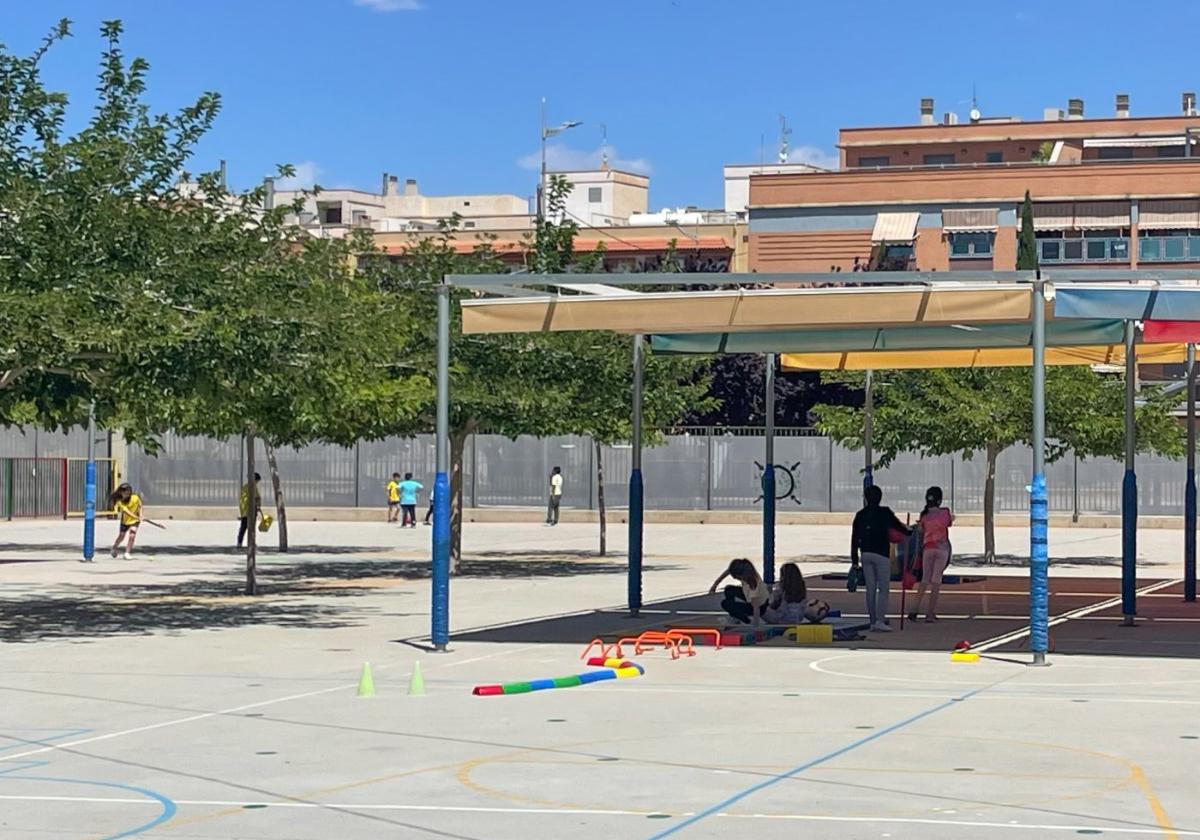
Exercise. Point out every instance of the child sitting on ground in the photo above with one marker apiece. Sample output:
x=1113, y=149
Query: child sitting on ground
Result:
x=789, y=597
x=747, y=602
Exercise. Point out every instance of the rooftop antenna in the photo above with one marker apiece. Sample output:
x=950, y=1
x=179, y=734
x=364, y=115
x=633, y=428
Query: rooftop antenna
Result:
x=975, y=112
x=784, y=133
x=762, y=149
x=603, y=147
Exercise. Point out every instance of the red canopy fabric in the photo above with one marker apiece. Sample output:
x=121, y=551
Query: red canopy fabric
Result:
x=1171, y=332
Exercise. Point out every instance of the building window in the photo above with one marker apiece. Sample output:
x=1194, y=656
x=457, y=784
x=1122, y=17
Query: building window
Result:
x=875, y=161
x=1170, y=151
x=1115, y=152
x=1109, y=245
x=938, y=160
x=468, y=224
x=995, y=157
x=968, y=245
x=466, y=204
x=595, y=195
x=331, y=214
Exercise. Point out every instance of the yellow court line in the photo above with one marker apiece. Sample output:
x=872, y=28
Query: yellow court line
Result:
x=1156, y=806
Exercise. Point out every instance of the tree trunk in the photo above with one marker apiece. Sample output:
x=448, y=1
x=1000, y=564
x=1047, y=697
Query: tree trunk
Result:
x=251, y=515
x=600, y=499
x=989, y=505
x=280, y=508
x=458, y=442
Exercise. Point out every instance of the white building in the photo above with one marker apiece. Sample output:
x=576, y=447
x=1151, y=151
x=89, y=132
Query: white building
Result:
x=737, y=181
x=392, y=209
x=605, y=197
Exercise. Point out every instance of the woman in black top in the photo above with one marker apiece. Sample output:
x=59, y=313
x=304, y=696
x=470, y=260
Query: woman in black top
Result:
x=870, y=544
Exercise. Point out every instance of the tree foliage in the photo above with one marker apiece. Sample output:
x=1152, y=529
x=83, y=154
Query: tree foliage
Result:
x=1027, y=255
x=963, y=412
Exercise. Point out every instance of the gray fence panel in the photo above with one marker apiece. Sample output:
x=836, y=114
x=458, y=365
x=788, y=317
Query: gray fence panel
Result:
x=517, y=472
x=377, y=460
x=691, y=470
x=38, y=486
x=904, y=482
x=189, y=471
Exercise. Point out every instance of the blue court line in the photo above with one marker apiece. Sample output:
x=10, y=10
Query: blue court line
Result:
x=169, y=808
x=787, y=774
x=59, y=735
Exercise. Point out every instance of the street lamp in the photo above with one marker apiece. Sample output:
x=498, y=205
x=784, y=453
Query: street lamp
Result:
x=546, y=134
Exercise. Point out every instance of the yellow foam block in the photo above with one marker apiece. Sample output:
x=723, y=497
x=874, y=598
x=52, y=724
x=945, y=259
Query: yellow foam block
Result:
x=811, y=634
x=625, y=673
x=964, y=656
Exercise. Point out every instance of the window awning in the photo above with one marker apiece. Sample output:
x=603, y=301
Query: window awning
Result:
x=1175, y=214
x=1096, y=215
x=1054, y=216
x=895, y=227
x=1134, y=142
x=752, y=309
x=974, y=220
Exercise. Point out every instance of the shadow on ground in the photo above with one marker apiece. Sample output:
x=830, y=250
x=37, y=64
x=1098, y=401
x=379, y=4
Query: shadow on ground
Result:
x=193, y=550
x=301, y=595
x=973, y=608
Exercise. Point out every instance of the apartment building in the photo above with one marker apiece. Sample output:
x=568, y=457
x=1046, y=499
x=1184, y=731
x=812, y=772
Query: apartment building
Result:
x=1117, y=191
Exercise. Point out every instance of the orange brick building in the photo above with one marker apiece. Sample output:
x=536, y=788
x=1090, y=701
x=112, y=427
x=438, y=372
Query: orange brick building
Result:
x=1117, y=192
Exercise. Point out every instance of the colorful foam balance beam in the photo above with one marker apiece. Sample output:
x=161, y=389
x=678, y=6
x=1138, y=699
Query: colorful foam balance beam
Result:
x=601, y=662
x=626, y=670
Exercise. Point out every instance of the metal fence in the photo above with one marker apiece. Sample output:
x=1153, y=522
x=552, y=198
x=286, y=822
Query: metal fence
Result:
x=693, y=469
x=33, y=487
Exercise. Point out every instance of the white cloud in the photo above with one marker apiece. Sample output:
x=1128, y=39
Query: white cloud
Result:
x=304, y=179
x=391, y=5
x=813, y=155
x=565, y=159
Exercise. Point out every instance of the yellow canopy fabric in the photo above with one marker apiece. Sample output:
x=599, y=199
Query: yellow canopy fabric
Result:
x=984, y=357
x=752, y=309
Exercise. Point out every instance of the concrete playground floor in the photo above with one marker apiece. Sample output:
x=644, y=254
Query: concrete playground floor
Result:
x=147, y=698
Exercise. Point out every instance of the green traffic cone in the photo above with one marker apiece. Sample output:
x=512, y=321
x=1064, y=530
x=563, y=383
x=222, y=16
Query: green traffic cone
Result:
x=416, y=685
x=366, y=683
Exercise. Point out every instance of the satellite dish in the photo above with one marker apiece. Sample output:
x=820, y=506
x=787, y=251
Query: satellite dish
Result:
x=975, y=115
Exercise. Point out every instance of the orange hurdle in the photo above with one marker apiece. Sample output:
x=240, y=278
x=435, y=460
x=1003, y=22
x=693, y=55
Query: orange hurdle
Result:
x=700, y=631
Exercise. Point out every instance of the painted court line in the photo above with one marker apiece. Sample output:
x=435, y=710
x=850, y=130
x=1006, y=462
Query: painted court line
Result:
x=598, y=812
x=816, y=762
x=1008, y=638
x=220, y=712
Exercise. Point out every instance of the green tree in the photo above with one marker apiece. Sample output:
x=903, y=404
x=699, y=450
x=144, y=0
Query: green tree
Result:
x=1027, y=255
x=962, y=412
x=561, y=383
x=92, y=233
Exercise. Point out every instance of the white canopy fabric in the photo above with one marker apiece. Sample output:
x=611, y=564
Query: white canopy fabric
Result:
x=733, y=310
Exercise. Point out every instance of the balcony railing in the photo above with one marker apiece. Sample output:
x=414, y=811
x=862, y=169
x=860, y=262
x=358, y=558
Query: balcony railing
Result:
x=1114, y=249
x=1168, y=248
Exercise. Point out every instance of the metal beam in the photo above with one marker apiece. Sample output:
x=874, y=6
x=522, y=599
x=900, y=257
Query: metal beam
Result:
x=883, y=278
x=636, y=504
x=1189, y=493
x=440, y=612
x=768, y=476
x=1129, y=494
x=1039, y=560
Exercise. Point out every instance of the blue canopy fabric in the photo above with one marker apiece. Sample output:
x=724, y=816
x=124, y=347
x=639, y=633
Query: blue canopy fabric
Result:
x=1140, y=302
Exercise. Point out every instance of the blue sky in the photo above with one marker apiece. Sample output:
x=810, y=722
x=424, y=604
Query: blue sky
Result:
x=446, y=91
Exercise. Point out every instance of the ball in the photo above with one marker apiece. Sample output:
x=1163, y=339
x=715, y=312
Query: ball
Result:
x=815, y=611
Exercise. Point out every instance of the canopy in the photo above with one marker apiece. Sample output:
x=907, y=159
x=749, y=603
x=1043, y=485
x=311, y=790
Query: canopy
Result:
x=1135, y=302
x=732, y=310
x=930, y=338
x=1112, y=354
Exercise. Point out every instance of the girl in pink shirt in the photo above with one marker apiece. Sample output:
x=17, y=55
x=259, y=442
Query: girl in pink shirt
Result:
x=935, y=525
